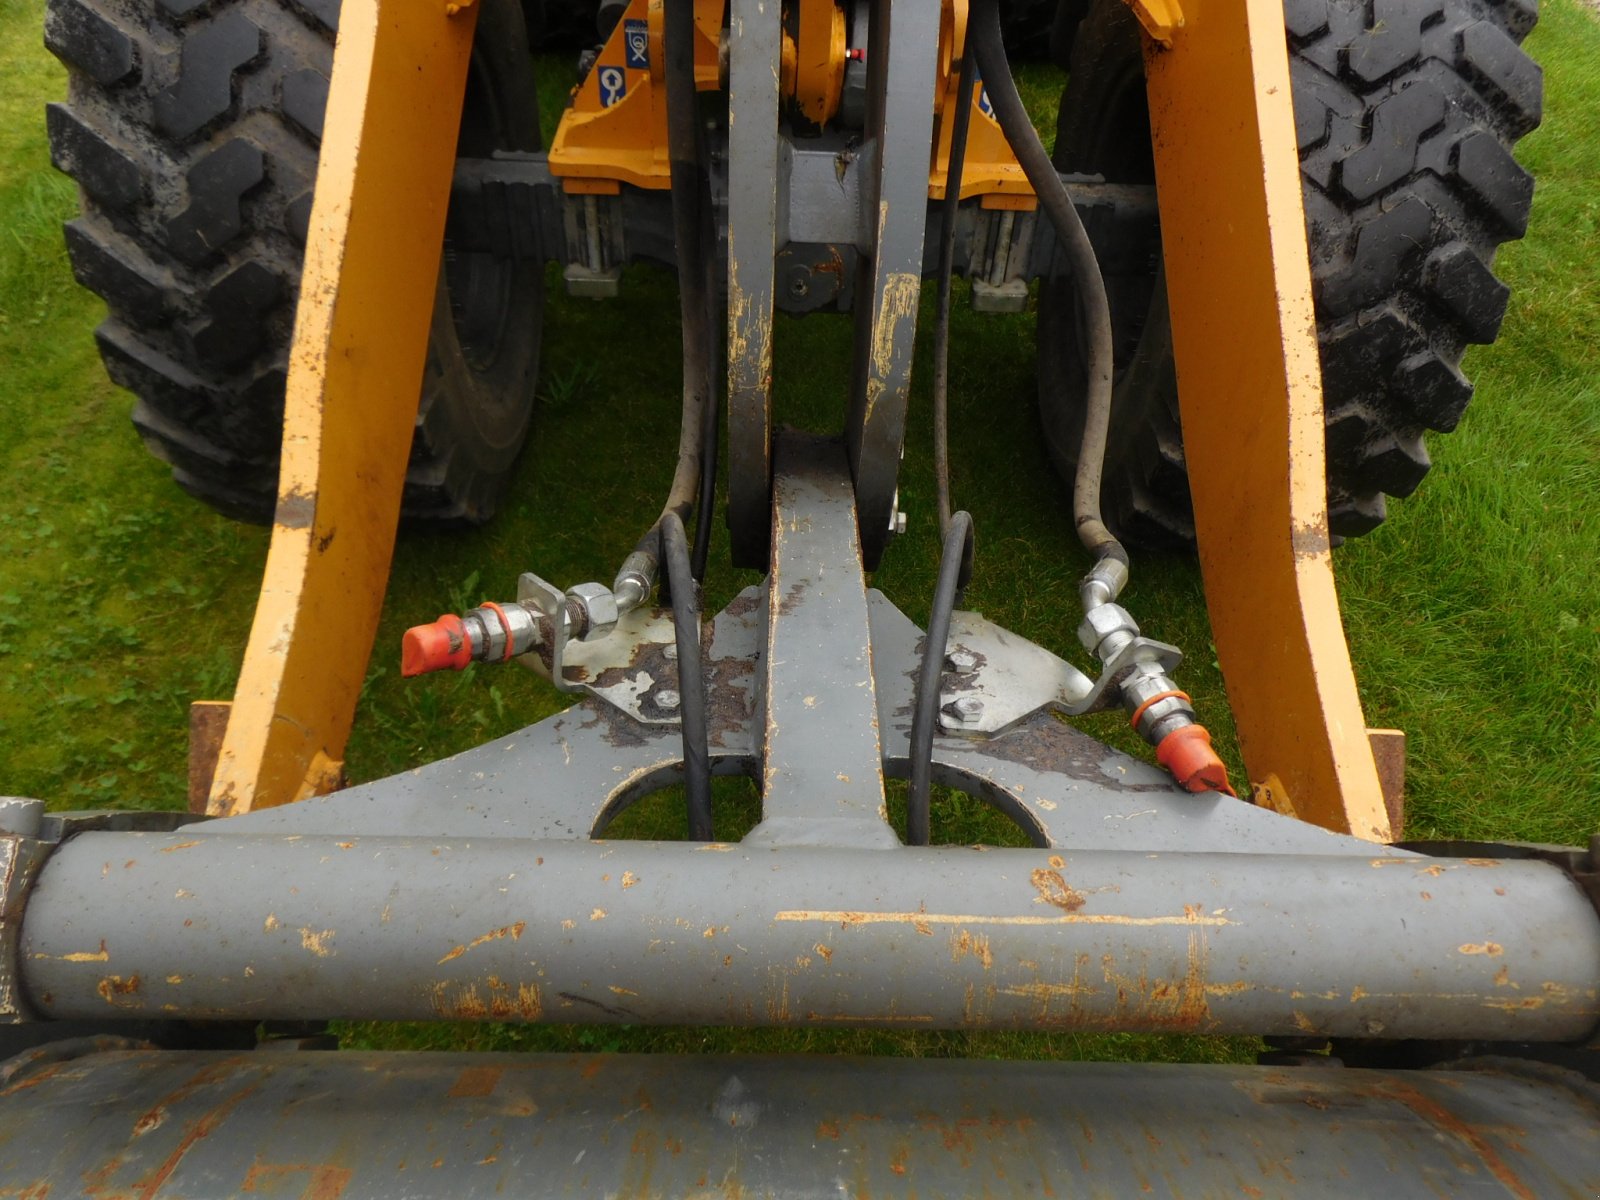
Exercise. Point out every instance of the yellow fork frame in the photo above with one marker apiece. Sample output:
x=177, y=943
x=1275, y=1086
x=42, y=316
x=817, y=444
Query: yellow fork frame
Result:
x=1239, y=290
x=1250, y=396
x=355, y=375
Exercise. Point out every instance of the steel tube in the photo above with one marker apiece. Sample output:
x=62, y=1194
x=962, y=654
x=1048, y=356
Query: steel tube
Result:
x=363, y=1126
x=215, y=925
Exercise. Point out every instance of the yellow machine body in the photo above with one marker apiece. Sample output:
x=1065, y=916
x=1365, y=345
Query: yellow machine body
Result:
x=1230, y=203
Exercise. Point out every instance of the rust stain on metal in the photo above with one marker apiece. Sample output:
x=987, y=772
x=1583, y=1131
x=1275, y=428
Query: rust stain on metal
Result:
x=78, y=956
x=1053, y=889
x=844, y=918
x=197, y=1131
x=1493, y=949
x=271, y=923
x=475, y=1082
x=513, y=931
x=628, y=880
x=1516, y=1004
x=316, y=941
x=114, y=986
x=1447, y=1122
x=825, y=951
x=897, y=1161
x=327, y=1182
x=965, y=942
x=503, y=1003
x=179, y=846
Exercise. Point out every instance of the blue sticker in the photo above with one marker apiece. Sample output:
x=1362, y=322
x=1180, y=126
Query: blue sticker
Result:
x=984, y=106
x=636, y=40
x=613, y=85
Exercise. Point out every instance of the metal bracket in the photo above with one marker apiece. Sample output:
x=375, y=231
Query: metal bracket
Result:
x=1010, y=678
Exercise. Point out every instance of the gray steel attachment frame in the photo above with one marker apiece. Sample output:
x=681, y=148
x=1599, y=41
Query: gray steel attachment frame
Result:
x=482, y=887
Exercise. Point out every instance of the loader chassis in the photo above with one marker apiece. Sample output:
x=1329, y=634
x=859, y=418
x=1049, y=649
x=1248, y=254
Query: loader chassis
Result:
x=483, y=887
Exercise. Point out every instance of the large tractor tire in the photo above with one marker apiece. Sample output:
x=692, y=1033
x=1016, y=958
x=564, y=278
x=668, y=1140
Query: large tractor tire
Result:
x=192, y=130
x=1406, y=112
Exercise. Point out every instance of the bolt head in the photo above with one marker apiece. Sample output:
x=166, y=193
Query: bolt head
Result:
x=1103, y=620
x=670, y=650
x=968, y=708
x=668, y=699
x=962, y=660
x=599, y=609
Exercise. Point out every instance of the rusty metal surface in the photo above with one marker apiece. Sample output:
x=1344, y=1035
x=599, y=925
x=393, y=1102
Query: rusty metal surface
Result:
x=350, y=1126
x=822, y=759
x=1389, y=755
x=188, y=925
x=208, y=721
x=899, y=130
x=755, y=26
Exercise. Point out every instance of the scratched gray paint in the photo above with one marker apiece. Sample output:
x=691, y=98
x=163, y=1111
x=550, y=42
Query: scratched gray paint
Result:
x=180, y=924
x=363, y=1126
x=755, y=27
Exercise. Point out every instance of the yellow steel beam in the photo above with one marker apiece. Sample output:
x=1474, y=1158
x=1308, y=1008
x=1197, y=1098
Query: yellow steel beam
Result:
x=1250, y=395
x=355, y=373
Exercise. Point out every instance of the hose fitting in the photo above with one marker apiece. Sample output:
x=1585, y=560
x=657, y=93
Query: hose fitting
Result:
x=1186, y=752
x=488, y=633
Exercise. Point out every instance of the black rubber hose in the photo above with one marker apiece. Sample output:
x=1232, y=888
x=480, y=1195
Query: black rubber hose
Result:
x=694, y=305
x=691, y=677
x=984, y=37
x=949, y=212
x=954, y=562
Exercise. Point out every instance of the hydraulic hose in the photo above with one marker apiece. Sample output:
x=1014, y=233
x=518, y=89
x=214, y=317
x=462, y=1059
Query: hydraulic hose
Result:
x=691, y=677
x=948, y=213
x=954, y=563
x=638, y=572
x=984, y=37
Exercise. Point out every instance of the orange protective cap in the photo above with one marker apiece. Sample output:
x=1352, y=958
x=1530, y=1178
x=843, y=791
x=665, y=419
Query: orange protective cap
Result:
x=1187, y=753
x=440, y=646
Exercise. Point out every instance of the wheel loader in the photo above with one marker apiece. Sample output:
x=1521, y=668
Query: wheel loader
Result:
x=1265, y=235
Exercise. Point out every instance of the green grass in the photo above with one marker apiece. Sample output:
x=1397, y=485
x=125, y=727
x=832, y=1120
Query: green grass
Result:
x=1473, y=615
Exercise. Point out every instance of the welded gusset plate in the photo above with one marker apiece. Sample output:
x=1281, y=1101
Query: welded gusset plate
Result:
x=570, y=774
x=361, y=1126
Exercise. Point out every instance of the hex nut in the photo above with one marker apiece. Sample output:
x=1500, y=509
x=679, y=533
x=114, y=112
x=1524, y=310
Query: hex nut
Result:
x=1103, y=620
x=962, y=660
x=668, y=699
x=599, y=606
x=968, y=708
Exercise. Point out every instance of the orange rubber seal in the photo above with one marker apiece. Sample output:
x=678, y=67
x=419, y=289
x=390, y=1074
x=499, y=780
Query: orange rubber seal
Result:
x=1156, y=699
x=505, y=624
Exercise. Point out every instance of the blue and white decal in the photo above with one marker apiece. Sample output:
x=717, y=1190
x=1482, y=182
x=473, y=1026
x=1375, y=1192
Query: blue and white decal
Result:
x=636, y=41
x=613, y=85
